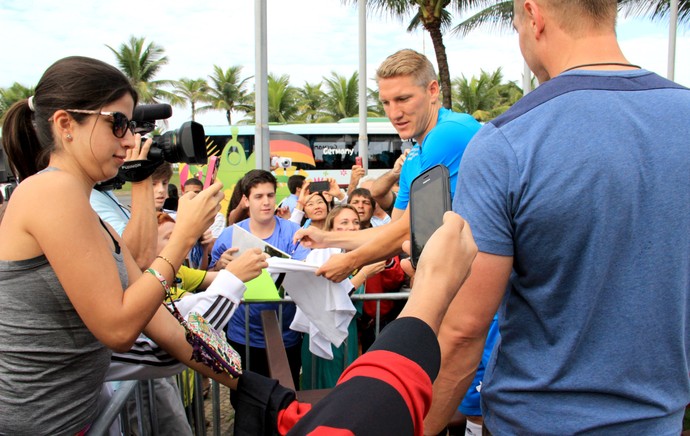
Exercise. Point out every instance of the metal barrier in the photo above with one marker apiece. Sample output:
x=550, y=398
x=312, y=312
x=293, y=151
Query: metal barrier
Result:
x=115, y=411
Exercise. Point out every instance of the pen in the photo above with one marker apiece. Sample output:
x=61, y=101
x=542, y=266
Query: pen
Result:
x=307, y=223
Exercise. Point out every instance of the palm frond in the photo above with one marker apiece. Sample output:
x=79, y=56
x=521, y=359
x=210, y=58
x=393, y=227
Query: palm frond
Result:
x=498, y=16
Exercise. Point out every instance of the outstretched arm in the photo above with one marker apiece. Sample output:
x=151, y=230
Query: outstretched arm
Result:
x=463, y=334
x=368, y=246
x=405, y=358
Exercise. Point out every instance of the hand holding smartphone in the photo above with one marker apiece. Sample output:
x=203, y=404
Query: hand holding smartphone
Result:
x=429, y=200
x=211, y=171
x=321, y=186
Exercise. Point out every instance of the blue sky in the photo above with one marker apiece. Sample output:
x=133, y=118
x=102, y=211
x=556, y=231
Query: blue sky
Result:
x=307, y=39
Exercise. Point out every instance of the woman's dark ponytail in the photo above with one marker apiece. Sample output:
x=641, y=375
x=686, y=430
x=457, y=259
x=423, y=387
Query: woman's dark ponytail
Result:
x=24, y=152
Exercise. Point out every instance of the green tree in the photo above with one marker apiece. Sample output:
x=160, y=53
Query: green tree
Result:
x=282, y=101
x=13, y=94
x=656, y=10
x=228, y=92
x=499, y=14
x=342, y=96
x=310, y=103
x=192, y=91
x=375, y=107
x=141, y=63
x=485, y=97
x=435, y=17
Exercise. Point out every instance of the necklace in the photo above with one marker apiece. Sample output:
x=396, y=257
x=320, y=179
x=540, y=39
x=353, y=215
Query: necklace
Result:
x=598, y=64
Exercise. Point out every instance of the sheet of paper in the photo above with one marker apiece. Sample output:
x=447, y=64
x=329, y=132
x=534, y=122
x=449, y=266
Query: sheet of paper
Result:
x=243, y=240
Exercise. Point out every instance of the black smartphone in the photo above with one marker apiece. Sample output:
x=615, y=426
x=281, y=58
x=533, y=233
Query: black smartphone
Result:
x=319, y=186
x=429, y=200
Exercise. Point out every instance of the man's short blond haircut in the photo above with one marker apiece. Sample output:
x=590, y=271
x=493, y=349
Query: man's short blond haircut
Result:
x=579, y=16
x=407, y=62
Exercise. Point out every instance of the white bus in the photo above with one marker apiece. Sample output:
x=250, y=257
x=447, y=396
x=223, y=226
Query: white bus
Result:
x=318, y=150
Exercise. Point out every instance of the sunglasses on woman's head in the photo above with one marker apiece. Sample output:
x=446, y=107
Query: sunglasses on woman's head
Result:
x=120, y=121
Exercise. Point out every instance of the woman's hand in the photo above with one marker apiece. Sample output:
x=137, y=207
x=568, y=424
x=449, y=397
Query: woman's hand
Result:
x=196, y=212
x=373, y=269
x=334, y=189
x=303, y=194
x=248, y=265
x=139, y=151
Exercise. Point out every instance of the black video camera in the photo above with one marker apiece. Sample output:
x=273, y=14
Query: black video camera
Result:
x=187, y=144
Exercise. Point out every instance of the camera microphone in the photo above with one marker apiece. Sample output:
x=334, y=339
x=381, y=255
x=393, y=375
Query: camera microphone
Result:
x=152, y=112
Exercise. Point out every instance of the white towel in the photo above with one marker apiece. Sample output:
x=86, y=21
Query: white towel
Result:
x=324, y=308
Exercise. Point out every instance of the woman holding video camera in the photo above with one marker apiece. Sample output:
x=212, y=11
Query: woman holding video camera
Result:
x=71, y=291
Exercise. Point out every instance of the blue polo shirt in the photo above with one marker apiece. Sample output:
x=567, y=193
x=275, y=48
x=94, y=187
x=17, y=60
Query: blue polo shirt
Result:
x=444, y=144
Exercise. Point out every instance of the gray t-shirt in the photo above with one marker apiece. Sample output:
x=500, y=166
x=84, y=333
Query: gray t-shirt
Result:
x=51, y=365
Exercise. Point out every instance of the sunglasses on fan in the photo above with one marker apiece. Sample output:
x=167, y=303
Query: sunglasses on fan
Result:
x=120, y=121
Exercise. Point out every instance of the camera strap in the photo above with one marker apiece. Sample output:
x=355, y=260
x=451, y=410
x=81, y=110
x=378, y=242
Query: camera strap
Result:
x=138, y=170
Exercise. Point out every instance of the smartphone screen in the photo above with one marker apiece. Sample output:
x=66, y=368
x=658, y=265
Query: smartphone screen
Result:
x=211, y=171
x=319, y=186
x=429, y=200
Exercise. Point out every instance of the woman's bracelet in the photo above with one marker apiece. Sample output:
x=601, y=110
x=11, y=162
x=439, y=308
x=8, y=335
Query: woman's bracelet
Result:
x=174, y=271
x=161, y=279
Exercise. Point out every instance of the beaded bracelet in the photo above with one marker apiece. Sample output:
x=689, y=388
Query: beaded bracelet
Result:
x=174, y=271
x=164, y=283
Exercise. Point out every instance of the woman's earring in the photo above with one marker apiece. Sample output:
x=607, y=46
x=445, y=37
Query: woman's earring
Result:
x=68, y=137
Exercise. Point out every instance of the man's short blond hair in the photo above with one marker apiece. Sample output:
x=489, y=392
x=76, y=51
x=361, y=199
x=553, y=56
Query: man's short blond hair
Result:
x=579, y=16
x=407, y=62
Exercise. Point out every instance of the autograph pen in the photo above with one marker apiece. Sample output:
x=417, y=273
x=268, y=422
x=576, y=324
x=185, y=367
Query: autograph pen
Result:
x=307, y=223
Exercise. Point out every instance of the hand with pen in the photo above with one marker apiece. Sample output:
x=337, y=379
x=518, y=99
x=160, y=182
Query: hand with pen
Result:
x=297, y=241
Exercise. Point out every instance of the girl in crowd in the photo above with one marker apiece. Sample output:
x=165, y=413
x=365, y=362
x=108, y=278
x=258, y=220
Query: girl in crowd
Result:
x=318, y=373
x=71, y=291
x=237, y=211
x=311, y=206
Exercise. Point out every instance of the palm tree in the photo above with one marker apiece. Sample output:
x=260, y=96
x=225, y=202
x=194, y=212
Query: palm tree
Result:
x=13, y=94
x=499, y=14
x=342, y=96
x=487, y=97
x=141, y=64
x=191, y=90
x=310, y=102
x=435, y=17
x=282, y=101
x=656, y=10
x=376, y=107
x=228, y=92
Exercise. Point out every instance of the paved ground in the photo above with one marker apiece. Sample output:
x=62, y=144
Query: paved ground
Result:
x=227, y=414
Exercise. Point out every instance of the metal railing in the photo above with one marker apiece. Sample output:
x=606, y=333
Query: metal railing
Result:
x=115, y=413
